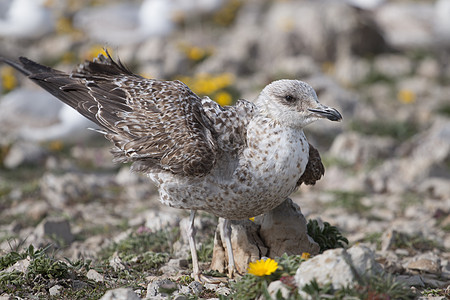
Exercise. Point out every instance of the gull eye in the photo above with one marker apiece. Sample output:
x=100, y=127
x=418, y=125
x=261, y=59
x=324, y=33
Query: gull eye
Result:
x=289, y=98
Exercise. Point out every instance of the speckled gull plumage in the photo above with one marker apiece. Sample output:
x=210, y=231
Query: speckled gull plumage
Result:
x=235, y=162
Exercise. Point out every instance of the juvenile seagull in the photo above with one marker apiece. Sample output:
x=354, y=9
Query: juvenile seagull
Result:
x=235, y=162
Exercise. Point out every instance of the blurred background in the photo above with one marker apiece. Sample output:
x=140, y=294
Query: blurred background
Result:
x=382, y=64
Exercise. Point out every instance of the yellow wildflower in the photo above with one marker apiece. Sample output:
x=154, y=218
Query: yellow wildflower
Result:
x=64, y=25
x=406, y=96
x=328, y=67
x=227, y=14
x=196, y=53
x=262, y=267
x=223, y=98
x=56, y=145
x=9, y=81
x=252, y=219
x=93, y=52
x=306, y=255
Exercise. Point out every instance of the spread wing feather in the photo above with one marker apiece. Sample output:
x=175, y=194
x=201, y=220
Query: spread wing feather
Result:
x=158, y=125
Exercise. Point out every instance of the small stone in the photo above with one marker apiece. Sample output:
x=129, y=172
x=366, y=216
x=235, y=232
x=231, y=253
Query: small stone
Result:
x=423, y=264
x=337, y=267
x=180, y=297
x=56, y=228
x=277, y=286
x=428, y=67
x=120, y=294
x=358, y=150
x=38, y=210
x=430, y=281
x=174, y=266
x=393, y=65
x=160, y=287
x=223, y=291
x=401, y=252
x=438, y=188
x=196, y=287
x=79, y=285
x=184, y=289
x=391, y=262
x=283, y=230
x=415, y=280
x=387, y=239
x=21, y=266
x=178, y=262
x=169, y=270
x=211, y=286
x=24, y=153
x=55, y=290
x=94, y=275
x=116, y=262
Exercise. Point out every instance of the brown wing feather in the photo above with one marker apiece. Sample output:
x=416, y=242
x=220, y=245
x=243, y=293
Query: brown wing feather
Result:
x=158, y=125
x=314, y=169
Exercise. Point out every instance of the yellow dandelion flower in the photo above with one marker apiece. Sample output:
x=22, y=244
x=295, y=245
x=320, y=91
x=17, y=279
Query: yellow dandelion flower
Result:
x=9, y=81
x=224, y=80
x=196, y=53
x=406, y=96
x=203, y=86
x=262, y=267
x=252, y=219
x=223, y=98
x=306, y=255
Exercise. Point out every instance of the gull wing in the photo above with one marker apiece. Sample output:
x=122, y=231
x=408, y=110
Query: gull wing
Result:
x=157, y=125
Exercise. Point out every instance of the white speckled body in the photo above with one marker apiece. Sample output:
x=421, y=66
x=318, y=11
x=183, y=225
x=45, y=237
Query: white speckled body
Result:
x=241, y=186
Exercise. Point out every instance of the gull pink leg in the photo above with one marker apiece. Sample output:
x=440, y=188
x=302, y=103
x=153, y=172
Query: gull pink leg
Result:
x=227, y=235
x=191, y=234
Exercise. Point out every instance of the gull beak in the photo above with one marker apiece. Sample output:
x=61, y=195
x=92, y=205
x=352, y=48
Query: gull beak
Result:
x=326, y=112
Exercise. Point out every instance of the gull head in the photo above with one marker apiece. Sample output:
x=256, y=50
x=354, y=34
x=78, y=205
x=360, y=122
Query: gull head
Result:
x=293, y=103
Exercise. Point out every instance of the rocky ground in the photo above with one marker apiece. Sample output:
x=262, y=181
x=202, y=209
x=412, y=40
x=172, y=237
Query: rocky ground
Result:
x=74, y=225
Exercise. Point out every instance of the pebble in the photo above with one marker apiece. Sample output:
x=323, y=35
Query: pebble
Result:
x=94, y=275
x=55, y=290
x=120, y=294
x=425, y=265
x=276, y=287
x=159, y=287
x=195, y=287
x=411, y=280
x=55, y=228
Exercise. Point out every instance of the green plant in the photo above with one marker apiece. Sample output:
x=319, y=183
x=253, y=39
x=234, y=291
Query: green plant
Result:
x=374, y=237
x=206, y=250
x=289, y=264
x=327, y=236
x=379, y=286
x=351, y=201
x=139, y=242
